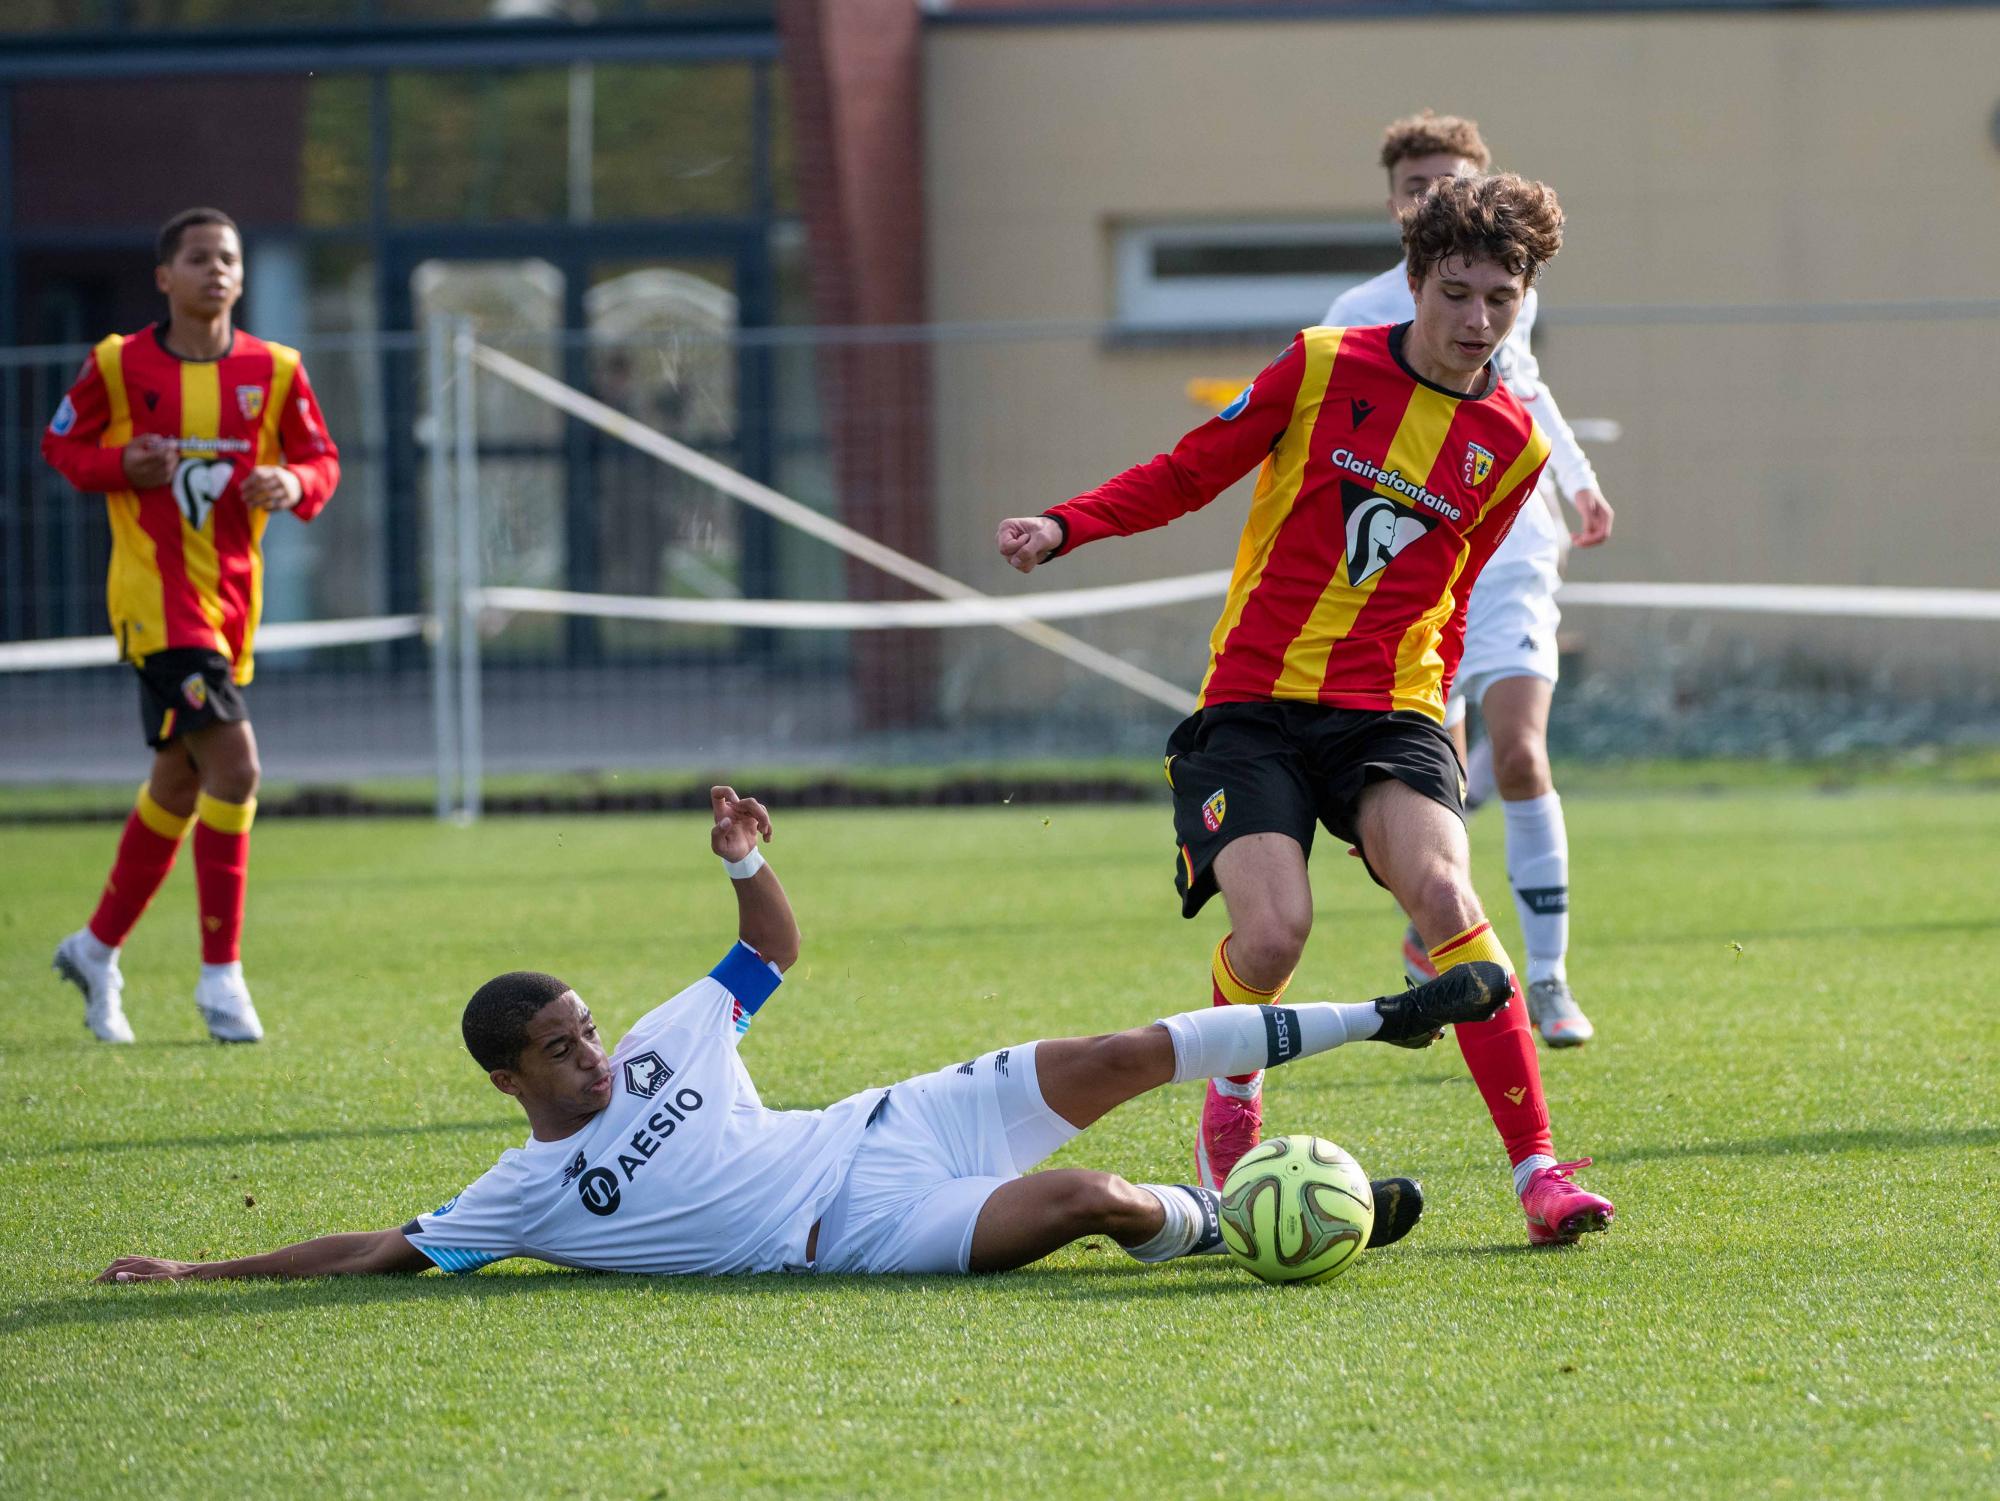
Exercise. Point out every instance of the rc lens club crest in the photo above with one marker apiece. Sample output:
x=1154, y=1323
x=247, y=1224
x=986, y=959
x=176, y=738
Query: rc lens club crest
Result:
x=1213, y=810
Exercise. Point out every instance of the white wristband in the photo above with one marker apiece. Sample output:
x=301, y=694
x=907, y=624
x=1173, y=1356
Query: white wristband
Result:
x=748, y=866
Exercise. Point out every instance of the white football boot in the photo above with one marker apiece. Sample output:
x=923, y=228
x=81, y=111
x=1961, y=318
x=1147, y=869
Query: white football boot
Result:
x=93, y=969
x=225, y=1004
x=1556, y=1015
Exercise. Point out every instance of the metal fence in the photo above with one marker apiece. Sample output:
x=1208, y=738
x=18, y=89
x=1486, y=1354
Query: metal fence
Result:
x=457, y=482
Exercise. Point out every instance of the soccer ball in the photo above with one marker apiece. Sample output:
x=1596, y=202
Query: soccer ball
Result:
x=1296, y=1209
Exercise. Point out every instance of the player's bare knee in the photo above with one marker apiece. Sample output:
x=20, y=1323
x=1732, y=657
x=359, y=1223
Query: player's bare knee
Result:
x=234, y=778
x=1137, y=1057
x=232, y=785
x=1442, y=902
x=1521, y=768
x=1092, y=1202
x=1266, y=951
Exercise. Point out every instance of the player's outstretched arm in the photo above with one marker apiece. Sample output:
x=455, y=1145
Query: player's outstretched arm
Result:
x=357, y=1254
x=764, y=917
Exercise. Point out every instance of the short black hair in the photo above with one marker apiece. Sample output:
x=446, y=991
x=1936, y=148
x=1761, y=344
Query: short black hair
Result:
x=496, y=1018
x=169, y=243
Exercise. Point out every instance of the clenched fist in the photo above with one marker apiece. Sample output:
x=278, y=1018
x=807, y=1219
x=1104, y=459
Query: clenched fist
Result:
x=1026, y=541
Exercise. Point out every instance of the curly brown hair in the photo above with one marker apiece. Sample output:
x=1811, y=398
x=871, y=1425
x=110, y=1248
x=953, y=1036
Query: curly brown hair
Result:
x=1501, y=218
x=1428, y=134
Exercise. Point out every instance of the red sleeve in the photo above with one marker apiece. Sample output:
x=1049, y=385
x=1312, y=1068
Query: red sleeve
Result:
x=308, y=448
x=1203, y=464
x=70, y=441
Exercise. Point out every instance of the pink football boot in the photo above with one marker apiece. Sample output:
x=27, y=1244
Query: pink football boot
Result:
x=1559, y=1211
x=1229, y=1128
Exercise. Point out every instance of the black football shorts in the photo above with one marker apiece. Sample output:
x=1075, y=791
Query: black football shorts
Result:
x=185, y=688
x=1284, y=767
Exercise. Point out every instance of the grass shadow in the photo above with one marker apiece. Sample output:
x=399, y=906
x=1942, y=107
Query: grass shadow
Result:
x=279, y=1138
x=1113, y=1281
x=1816, y=1144
x=1845, y=930
x=1511, y=1248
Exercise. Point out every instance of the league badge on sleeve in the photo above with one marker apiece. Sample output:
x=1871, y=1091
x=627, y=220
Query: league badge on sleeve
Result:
x=1214, y=808
x=64, y=419
x=1237, y=407
x=1478, y=464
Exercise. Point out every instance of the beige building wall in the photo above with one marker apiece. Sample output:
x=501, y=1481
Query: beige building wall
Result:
x=1711, y=162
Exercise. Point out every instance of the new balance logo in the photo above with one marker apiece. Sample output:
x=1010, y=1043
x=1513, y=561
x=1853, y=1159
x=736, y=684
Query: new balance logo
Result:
x=575, y=1169
x=963, y=1068
x=1544, y=901
x=1361, y=410
x=1000, y=1062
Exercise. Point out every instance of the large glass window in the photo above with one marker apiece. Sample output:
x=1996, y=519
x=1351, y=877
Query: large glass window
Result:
x=638, y=141
x=471, y=147
x=117, y=15
x=334, y=187
x=673, y=140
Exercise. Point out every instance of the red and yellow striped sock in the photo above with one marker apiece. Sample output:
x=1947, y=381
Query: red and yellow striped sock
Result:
x=221, y=874
x=146, y=853
x=1501, y=1053
x=1230, y=989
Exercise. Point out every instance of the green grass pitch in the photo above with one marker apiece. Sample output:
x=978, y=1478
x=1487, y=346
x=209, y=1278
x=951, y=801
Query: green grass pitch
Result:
x=1792, y=1099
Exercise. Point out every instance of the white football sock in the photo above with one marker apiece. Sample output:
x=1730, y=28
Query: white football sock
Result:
x=1538, y=870
x=1220, y=1040
x=1177, y=1235
x=1527, y=1167
x=1249, y=1089
x=95, y=949
x=233, y=970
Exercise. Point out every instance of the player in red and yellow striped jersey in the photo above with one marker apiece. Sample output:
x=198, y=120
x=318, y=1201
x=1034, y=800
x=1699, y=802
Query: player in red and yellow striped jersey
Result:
x=194, y=432
x=1393, y=460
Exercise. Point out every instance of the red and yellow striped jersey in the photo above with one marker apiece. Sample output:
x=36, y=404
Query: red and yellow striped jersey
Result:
x=187, y=560
x=1380, y=498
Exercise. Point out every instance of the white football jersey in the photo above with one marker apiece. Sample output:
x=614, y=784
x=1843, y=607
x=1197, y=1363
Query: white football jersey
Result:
x=684, y=1171
x=1386, y=299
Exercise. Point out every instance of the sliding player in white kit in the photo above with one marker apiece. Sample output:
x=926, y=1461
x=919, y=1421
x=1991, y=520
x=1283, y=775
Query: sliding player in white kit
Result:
x=1509, y=666
x=658, y=1156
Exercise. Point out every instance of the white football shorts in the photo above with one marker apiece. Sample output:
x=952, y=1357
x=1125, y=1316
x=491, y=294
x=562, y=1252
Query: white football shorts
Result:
x=927, y=1165
x=1510, y=630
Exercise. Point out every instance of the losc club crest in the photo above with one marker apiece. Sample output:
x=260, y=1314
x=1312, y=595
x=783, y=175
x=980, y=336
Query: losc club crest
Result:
x=646, y=1074
x=250, y=402
x=1478, y=464
x=1213, y=809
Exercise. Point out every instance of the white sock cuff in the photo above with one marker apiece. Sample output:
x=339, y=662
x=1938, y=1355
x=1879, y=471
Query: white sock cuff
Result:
x=1527, y=1167
x=1178, y=1234
x=1533, y=811
x=1217, y=1040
